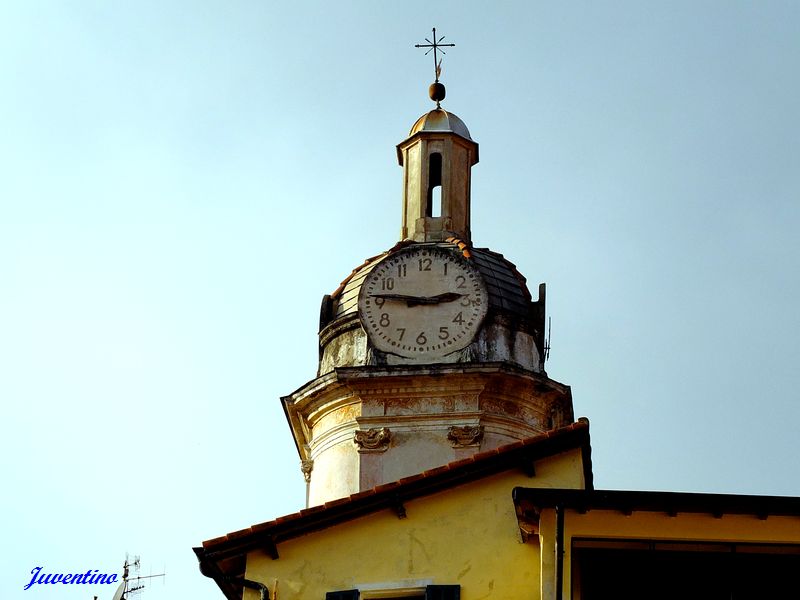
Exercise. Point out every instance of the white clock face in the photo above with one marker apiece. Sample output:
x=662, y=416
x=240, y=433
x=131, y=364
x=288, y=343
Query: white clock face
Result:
x=422, y=302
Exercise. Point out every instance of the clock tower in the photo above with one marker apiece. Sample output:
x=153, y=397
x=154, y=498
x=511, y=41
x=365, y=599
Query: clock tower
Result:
x=430, y=351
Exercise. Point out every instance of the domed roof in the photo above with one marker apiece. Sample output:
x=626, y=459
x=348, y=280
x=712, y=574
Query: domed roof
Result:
x=512, y=332
x=440, y=120
x=507, y=289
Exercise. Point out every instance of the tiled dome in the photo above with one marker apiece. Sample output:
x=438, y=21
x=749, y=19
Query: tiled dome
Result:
x=506, y=286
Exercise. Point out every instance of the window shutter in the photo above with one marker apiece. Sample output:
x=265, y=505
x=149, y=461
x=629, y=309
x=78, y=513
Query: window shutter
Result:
x=343, y=595
x=443, y=592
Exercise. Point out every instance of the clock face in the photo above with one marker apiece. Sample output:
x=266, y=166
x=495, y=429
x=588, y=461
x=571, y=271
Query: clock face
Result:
x=422, y=302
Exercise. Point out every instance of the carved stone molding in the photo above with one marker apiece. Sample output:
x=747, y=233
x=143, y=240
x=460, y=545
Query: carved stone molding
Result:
x=306, y=466
x=372, y=440
x=468, y=435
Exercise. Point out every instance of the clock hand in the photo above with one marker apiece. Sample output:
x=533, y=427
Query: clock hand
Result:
x=396, y=297
x=446, y=297
x=419, y=300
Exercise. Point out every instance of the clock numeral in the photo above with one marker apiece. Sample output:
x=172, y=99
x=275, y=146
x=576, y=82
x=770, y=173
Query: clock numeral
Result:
x=402, y=331
x=464, y=300
x=458, y=319
x=401, y=270
x=387, y=283
x=443, y=333
x=445, y=269
x=384, y=322
x=379, y=302
x=421, y=339
x=460, y=281
x=425, y=264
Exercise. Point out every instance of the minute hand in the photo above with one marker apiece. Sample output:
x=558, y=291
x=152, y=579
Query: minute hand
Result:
x=418, y=300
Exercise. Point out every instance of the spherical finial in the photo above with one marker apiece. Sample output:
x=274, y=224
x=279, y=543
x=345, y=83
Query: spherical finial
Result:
x=437, y=92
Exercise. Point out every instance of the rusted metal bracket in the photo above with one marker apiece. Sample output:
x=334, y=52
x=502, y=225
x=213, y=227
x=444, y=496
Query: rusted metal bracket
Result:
x=528, y=467
x=271, y=548
x=399, y=508
x=528, y=520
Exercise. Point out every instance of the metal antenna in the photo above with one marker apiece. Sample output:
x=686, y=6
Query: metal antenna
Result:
x=547, y=341
x=132, y=584
x=436, y=46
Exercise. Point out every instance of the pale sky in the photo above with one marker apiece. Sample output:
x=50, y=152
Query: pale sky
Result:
x=181, y=182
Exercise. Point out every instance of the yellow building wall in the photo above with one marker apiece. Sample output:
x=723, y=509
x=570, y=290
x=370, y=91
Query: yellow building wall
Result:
x=467, y=535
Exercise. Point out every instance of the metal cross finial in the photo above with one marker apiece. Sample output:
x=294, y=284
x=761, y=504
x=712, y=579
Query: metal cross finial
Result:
x=435, y=45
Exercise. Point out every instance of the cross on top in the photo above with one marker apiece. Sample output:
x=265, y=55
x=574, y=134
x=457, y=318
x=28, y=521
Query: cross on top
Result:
x=435, y=45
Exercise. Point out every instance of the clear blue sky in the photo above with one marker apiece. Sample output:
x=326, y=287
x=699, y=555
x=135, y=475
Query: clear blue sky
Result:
x=181, y=182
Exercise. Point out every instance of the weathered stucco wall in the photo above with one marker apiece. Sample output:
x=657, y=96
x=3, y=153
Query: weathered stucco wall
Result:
x=467, y=535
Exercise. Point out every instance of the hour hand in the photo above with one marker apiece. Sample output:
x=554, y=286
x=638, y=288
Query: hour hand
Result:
x=445, y=297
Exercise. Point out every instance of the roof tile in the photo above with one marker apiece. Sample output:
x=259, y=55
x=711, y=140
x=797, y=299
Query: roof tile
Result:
x=263, y=526
x=385, y=486
x=361, y=494
x=437, y=470
x=337, y=502
x=410, y=478
x=237, y=534
x=459, y=463
x=313, y=509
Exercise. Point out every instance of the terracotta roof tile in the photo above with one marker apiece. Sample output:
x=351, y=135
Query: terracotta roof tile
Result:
x=337, y=502
x=288, y=517
x=214, y=541
x=517, y=444
x=410, y=478
x=361, y=494
x=312, y=509
x=262, y=526
x=238, y=534
x=432, y=472
x=459, y=463
x=384, y=487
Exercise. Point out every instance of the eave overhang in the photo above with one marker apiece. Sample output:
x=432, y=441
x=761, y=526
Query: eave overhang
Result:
x=529, y=503
x=438, y=135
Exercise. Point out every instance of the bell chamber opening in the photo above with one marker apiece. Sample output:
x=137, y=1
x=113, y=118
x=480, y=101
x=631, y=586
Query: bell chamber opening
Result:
x=433, y=206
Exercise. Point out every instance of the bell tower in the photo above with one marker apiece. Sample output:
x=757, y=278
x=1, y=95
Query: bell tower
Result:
x=430, y=351
x=437, y=160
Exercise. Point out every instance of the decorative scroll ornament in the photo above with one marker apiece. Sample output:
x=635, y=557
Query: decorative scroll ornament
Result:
x=468, y=435
x=373, y=440
x=306, y=466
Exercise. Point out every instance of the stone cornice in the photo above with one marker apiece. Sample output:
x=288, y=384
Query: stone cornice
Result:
x=327, y=393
